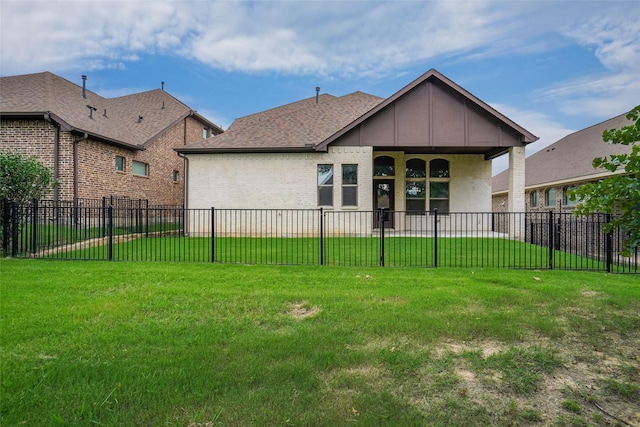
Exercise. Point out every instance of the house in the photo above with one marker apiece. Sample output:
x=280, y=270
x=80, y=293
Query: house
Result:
x=567, y=163
x=429, y=146
x=98, y=147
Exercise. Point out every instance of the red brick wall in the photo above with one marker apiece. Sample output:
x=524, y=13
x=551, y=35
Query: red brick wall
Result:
x=97, y=175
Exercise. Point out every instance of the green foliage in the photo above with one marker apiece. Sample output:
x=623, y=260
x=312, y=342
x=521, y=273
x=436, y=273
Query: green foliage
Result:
x=23, y=179
x=572, y=406
x=619, y=193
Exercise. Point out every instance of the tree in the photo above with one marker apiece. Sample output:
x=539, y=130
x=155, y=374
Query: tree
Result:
x=620, y=193
x=23, y=179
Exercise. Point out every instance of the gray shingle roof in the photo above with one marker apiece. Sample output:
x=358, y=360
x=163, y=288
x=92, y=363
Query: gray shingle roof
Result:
x=568, y=159
x=114, y=119
x=297, y=126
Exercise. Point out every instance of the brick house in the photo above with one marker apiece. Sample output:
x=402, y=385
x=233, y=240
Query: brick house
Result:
x=564, y=164
x=98, y=147
x=427, y=146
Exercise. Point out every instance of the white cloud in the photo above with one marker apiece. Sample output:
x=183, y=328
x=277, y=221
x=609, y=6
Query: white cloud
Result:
x=343, y=38
x=615, y=37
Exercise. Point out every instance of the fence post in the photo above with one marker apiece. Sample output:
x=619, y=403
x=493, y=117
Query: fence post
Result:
x=104, y=216
x=608, y=245
x=321, y=237
x=551, y=233
x=146, y=213
x=381, y=223
x=435, y=237
x=110, y=233
x=213, y=234
x=6, y=217
x=14, y=229
x=34, y=226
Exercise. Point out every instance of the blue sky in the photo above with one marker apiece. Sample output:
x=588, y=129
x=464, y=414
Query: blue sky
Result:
x=554, y=67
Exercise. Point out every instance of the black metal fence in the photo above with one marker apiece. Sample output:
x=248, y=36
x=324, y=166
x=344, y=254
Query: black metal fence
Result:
x=136, y=231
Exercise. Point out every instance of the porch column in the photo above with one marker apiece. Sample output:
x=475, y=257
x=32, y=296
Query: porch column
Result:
x=516, y=198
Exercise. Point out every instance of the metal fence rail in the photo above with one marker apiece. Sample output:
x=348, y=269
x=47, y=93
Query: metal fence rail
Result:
x=137, y=232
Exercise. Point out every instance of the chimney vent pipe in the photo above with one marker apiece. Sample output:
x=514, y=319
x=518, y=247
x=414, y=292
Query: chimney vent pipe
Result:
x=162, y=85
x=317, y=93
x=84, y=86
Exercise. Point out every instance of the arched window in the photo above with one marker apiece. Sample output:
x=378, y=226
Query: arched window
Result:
x=567, y=197
x=550, y=197
x=415, y=187
x=384, y=166
x=439, y=185
x=416, y=168
x=439, y=168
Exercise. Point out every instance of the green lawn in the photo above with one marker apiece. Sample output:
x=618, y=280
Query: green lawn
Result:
x=132, y=344
x=410, y=251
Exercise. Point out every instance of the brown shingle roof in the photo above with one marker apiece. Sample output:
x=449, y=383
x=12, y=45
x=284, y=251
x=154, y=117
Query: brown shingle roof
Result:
x=115, y=119
x=568, y=159
x=297, y=126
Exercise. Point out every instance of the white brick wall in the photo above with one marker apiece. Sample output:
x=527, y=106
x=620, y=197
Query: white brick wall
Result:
x=289, y=180
x=273, y=180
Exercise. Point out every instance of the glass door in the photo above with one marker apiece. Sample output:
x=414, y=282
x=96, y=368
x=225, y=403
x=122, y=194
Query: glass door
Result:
x=383, y=198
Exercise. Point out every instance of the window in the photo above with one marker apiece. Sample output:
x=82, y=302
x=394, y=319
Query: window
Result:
x=550, y=197
x=120, y=163
x=349, y=185
x=439, y=168
x=205, y=133
x=416, y=189
x=533, y=199
x=439, y=196
x=439, y=185
x=384, y=166
x=567, y=198
x=325, y=185
x=416, y=197
x=140, y=168
x=176, y=176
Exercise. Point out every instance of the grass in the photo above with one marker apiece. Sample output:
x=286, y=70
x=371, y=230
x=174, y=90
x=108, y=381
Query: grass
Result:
x=97, y=343
x=338, y=251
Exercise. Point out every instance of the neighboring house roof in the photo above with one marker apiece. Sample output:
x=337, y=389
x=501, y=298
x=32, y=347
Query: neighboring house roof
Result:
x=131, y=121
x=308, y=125
x=569, y=159
x=297, y=126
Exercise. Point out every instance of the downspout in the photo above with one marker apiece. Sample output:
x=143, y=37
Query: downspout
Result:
x=56, y=161
x=186, y=180
x=56, y=168
x=186, y=165
x=76, y=141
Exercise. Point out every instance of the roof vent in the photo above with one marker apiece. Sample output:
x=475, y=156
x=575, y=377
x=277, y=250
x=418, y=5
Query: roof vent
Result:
x=317, y=93
x=105, y=113
x=84, y=86
x=163, y=105
x=91, y=110
x=140, y=119
x=162, y=83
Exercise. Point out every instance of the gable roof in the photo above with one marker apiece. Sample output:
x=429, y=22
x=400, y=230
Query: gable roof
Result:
x=116, y=120
x=300, y=125
x=308, y=125
x=433, y=75
x=568, y=159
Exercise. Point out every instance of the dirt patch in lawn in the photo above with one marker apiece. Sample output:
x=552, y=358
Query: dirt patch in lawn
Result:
x=301, y=310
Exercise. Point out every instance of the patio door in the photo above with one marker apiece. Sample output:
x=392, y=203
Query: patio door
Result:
x=383, y=198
